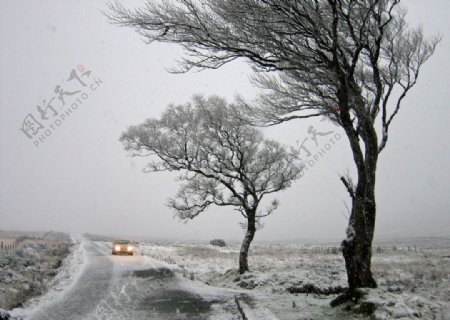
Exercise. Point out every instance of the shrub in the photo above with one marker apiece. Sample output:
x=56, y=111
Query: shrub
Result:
x=218, y=243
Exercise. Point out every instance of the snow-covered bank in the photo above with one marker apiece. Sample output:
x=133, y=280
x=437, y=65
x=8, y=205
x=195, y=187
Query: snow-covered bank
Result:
x=26, y=270
x=294, y=280
x=67, y=275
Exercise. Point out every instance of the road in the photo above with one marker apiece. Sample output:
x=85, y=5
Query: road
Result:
x=131, y=288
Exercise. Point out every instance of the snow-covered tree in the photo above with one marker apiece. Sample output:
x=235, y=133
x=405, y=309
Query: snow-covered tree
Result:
x=223, y=161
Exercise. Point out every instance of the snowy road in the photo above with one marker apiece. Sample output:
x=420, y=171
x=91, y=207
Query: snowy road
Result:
x=134, y=287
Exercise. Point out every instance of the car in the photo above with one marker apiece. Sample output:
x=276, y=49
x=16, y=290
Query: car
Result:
x=122, y=247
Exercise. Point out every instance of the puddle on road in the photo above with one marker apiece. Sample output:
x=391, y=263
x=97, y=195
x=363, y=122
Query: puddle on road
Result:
x=154, y=273
x=154, y=293
x=173, y=301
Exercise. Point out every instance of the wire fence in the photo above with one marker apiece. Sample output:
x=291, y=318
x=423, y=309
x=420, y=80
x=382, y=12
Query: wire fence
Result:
x=9, y=246
x=375, y=249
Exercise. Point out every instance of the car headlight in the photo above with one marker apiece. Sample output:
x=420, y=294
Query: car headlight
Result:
x=117, y=248
x=130, y=248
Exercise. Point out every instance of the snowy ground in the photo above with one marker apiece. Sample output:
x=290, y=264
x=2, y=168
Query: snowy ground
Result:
x=298, y=282
x=288, y=281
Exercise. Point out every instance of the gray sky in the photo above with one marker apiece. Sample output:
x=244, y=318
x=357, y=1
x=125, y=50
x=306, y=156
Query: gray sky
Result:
x=80, y=178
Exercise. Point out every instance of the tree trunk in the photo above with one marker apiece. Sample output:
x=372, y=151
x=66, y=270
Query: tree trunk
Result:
x=249, y=235
x=357, y=247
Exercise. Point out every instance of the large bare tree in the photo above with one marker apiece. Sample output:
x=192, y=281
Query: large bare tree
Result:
x=223, y=161
x=351, y=60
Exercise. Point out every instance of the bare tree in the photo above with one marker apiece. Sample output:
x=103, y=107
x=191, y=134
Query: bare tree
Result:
x=351, y=60
x=223, y=161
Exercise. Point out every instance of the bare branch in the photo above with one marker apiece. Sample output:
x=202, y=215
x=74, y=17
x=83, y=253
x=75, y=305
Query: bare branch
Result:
x=349, y=186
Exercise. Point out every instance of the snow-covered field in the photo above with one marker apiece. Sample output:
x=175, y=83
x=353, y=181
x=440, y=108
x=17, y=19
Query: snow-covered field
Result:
x=298, y=282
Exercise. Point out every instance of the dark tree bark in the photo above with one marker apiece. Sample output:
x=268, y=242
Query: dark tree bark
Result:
x=357, y=249
x=249, y=235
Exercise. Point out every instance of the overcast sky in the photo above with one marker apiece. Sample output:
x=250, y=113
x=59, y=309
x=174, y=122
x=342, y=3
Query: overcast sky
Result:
x=79, y=178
